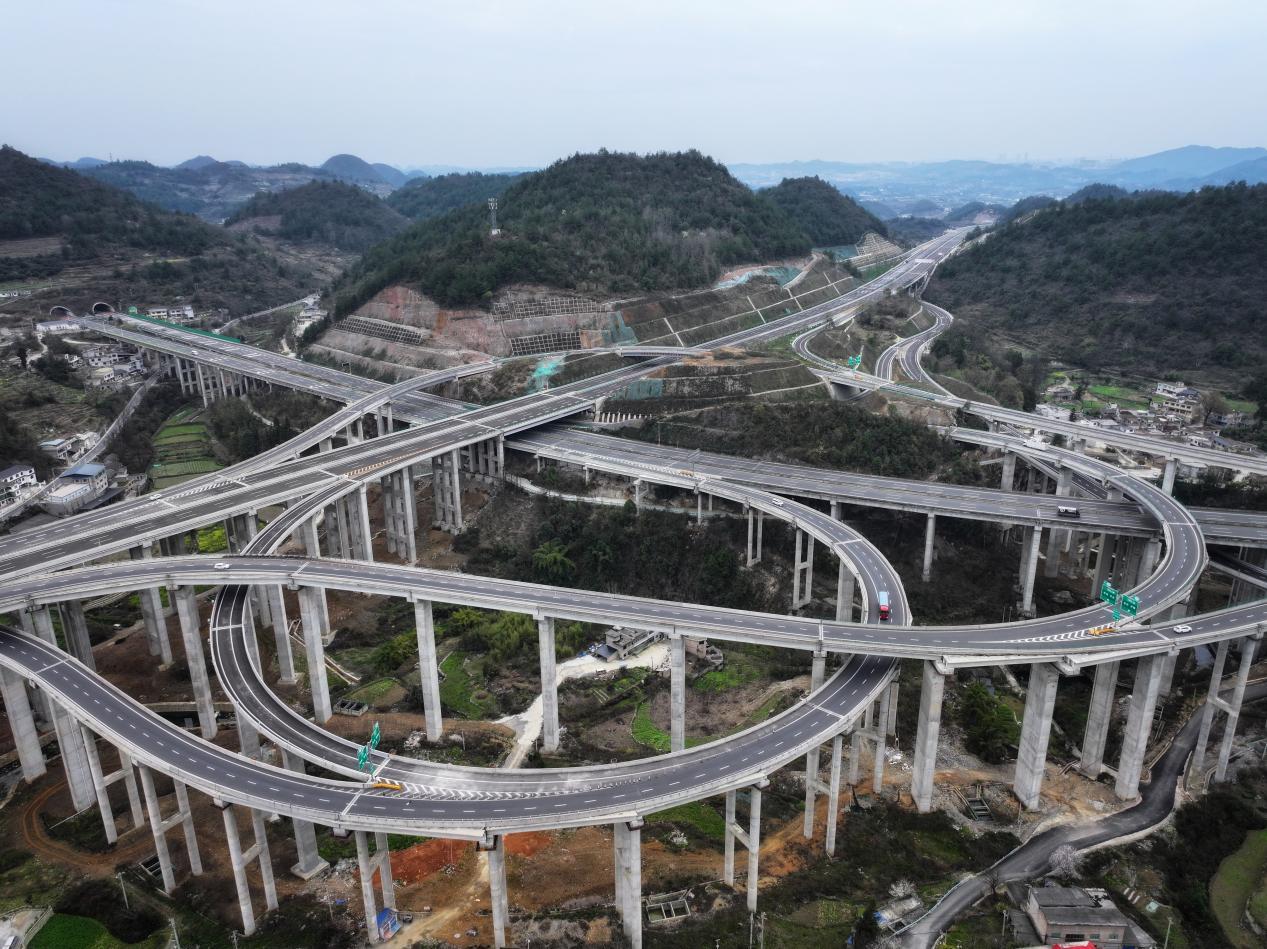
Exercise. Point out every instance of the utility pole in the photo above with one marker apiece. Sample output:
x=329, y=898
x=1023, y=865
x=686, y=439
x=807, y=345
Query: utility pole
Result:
x=124, y=890
x=175, y=934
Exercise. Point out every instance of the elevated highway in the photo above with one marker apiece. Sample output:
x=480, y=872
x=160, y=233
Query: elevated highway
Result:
x=483, y=804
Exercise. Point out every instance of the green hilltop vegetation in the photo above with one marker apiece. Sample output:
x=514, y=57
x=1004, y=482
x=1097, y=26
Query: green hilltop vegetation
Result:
x=424, y=198
x=828, y=217
x=321, y=212
x=139, y=251
x=601, y=223
x=1151, y=283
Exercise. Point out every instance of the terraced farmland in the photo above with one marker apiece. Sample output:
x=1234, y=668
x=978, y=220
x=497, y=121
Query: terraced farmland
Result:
x=182, y=449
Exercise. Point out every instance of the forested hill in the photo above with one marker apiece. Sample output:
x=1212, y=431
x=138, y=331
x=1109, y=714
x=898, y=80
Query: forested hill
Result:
x=828, y=217
x=606, y=222
x=1150, y=283
x=330, y=213
x=423, y=198
x=105, y=244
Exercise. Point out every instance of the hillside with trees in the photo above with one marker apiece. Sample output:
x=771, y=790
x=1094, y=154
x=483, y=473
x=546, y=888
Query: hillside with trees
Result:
x=828, y=217
x=424, y=198
x=600, y=223
x=1152, y=283
x=330, y=213
x=104, y=244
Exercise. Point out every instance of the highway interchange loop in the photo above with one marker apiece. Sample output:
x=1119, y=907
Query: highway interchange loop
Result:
x=472, y=802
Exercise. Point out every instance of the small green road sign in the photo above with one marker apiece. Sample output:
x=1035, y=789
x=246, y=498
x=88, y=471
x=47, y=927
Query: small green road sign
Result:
x=1130, y=604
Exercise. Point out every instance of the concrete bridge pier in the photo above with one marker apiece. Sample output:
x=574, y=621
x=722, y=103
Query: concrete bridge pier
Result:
x=1007, y=477
x=1139, y=724
x=1058, y=540
x=1103, y=558
x=42, y=704
x=190, y=634
x=1033, y=540
x=101, y=784
x=152, y=613
x=1196, y=764
x=880, y=728
x=368, y=863
x=1099, y=715
x=627, y=843
x=311, y=615
x=309, y=862
x=17, y=707
x=241, y=858
x=75, y=626
x=930, y=532
x=833, y=794
x=844, y=594
x=391, y=527
x=494, y=851
x=281, y=635
x=1168, y=475
x=751, y=839
x=428, y=668
x=1040, y=700
x=818, y=671
x=259, y=595
x=677, y=692
x=359, y=515
x=932, y=693
x=802, y=569
x=1149, y=556
x=756, y=531
x=549, y=685
x=446, y=492
x=1232, y=707
x=335, y=543
x=159, y=826
x=70, y=743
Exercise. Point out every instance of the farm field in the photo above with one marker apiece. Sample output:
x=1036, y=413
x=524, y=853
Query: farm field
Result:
x=182, y=449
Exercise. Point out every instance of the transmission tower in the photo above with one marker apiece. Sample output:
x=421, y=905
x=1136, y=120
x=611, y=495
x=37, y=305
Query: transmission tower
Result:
x=493, y=229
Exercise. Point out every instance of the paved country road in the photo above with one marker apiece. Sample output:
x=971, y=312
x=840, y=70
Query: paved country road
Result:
x=1030, y=860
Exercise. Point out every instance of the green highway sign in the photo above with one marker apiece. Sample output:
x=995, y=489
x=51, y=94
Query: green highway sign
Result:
x=1130, y=604
x=363, y=756
x=1108, y=593
x=853, y=362
x=375, y=734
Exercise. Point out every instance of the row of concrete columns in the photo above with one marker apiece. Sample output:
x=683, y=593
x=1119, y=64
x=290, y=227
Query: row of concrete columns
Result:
x=210, y=382
x=1231, y=707
x=1150, y=682
x=446, y=491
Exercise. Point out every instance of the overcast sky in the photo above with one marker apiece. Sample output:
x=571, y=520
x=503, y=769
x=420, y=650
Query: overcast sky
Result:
x=484, y=83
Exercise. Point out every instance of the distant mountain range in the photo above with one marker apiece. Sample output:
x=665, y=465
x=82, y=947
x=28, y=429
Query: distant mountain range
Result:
x=936, y=189
x=214, y=189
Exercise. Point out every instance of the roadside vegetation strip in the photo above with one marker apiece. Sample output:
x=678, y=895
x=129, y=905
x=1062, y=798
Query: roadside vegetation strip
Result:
x=697, y=815
x=63, y=930
x=648, y=733
x=457, y=689
x=1234, y=885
